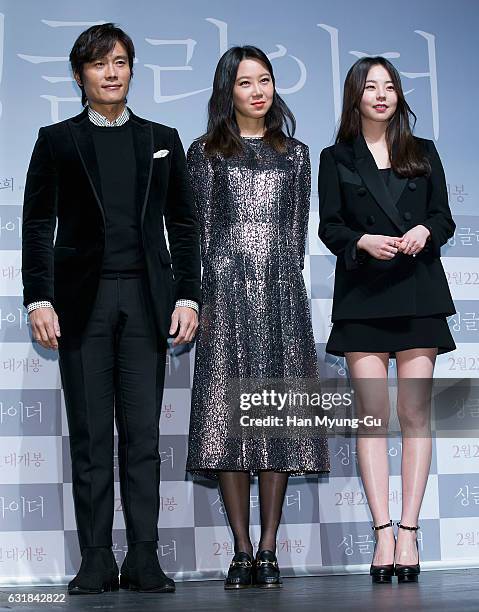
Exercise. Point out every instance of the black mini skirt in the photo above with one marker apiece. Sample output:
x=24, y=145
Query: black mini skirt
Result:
x=390, y=335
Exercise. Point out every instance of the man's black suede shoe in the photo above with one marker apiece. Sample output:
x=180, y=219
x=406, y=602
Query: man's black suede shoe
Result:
x=98, y=573
x=141, y=570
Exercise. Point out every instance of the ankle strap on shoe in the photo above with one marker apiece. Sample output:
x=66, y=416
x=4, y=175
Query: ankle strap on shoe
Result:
x=390, y=524
x=408, y=528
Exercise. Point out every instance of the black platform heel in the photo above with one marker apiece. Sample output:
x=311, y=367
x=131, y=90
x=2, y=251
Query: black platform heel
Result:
x=408, y=573
x=381, y=574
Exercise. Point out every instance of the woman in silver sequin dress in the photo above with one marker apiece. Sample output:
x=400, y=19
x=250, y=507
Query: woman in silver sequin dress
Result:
x=252, y=190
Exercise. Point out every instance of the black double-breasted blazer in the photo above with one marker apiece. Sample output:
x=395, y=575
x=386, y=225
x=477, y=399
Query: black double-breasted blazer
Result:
x=354, y=200
x=63, y=191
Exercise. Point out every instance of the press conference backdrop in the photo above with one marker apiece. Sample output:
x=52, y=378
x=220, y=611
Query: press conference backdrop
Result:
x=326, y=522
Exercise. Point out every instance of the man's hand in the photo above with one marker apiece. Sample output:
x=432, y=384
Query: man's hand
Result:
x=45, y=327
x=379, y=247
x=414, y=240
x=187, y=320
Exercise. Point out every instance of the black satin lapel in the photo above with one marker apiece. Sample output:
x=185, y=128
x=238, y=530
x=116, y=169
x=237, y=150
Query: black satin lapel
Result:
x=143, y=143
x=86, y=150
x=396, y=186
x=366, y=166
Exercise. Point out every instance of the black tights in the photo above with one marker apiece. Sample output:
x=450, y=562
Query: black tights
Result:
x=235, y=492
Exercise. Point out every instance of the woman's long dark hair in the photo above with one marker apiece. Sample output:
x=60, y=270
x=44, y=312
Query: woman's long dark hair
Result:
x=406, y=157
x=223, y=135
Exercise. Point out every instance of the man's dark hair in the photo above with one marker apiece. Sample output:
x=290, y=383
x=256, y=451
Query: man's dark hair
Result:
x=95, y=43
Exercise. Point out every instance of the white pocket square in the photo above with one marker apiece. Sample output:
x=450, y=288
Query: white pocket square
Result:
x=160, y=153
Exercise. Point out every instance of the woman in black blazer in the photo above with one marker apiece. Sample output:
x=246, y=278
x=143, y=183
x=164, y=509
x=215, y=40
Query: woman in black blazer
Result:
x=384, y=213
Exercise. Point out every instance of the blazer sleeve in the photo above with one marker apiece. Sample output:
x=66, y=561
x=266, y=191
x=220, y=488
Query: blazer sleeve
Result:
x=439, y=219
x=301, y=202
x=333, y=231
x=182, y=227
x=39, y=220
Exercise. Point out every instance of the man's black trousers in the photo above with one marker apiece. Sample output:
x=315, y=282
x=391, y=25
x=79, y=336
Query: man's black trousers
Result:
x=115, y=370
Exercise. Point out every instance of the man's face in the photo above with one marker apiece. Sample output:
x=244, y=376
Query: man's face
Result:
x=106, y=79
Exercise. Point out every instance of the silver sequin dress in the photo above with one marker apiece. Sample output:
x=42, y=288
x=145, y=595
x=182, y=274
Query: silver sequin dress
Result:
x=255, y=321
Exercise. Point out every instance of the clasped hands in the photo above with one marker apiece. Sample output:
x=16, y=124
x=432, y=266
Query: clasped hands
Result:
x=387, y=247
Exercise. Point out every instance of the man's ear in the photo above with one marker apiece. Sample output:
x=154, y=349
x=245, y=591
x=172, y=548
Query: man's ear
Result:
x=77, y=78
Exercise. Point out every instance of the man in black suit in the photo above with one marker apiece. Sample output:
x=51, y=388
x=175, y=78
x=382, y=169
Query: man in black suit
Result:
x=107, y=294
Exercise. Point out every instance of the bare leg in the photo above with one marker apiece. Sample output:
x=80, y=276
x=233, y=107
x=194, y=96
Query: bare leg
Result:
x=272, y=487
x=372, y=398
x=414, y=413
x=235, y=493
